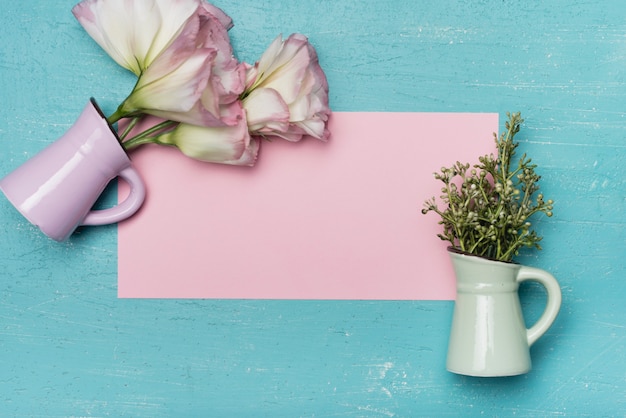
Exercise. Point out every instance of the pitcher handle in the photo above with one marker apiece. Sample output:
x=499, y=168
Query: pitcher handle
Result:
x=125, y=209
x=553, y=305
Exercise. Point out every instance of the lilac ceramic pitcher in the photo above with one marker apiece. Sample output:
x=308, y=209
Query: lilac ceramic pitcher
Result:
x=56, y=189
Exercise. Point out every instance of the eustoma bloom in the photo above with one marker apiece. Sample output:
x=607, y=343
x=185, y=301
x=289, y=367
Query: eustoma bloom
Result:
x=287, y=92
x=191, y=91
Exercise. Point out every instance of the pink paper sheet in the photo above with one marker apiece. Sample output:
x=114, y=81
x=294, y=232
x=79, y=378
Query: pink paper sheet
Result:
x=312, y=220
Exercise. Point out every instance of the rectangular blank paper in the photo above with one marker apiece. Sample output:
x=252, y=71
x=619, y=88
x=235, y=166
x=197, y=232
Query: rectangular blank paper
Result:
x=312, y=220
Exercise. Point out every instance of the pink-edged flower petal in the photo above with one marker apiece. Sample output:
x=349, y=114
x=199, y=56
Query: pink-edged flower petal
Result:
x=285, y=68
x=290, y=68
x=226, y=144
x=226, y=82
x=228, y=115
x=174, y=16
x=207, y=144
x=249, y=155
x=175, y=91
x=134, y=33
x=266, y=112
x=195, y=80
x=219, y=14
x=216, y=103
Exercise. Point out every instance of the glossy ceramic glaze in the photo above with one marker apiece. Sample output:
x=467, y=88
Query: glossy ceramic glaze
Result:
x=57, y=188
x=488, y=335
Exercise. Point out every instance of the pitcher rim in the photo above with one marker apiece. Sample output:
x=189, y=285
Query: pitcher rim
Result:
x=454, y=250
x=95, y=105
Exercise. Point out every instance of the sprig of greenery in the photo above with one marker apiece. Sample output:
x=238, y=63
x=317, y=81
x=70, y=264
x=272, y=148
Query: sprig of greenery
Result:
x=488, y=205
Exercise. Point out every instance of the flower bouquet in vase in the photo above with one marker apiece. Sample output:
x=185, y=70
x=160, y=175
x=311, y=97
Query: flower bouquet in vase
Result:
x=190, y=93
x=485, y=213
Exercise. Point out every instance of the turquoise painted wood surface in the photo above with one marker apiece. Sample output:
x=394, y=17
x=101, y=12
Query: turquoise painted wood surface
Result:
x=69, y=347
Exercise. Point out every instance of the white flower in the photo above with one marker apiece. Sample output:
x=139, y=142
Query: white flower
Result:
x=134, y=33
x=287, y=92
x=224, y=144
x=186, y=68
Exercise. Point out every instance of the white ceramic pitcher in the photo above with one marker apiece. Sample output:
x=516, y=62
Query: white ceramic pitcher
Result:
x=488, y=335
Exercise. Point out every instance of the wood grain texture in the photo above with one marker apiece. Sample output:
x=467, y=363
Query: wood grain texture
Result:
x=69, y=347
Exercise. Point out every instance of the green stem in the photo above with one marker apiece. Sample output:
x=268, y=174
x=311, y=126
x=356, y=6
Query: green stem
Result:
x=137, y=141
x=147, y=136
x=116, y=116
x=129, y=128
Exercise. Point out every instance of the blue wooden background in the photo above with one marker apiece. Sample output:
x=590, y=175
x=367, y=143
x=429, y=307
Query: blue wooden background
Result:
x=68, y=346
